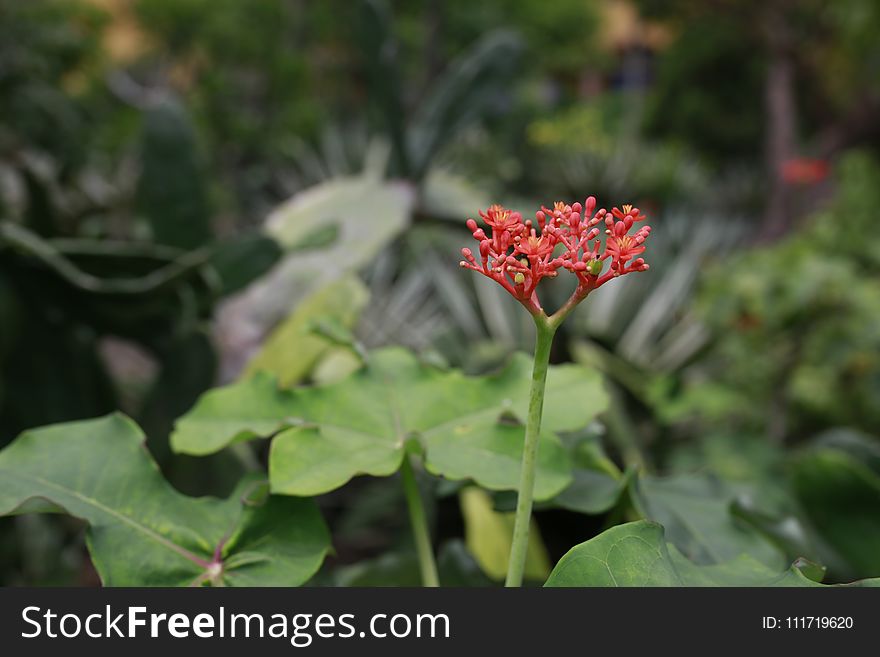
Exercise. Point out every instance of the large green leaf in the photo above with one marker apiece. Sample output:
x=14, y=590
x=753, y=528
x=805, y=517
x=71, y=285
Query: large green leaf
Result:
x=346, y=222
x=593, y=492
x=597, y=483
x=251, y=408
x=144, y=533
x=696, y=512
x=636, y=554
x=363, y=212
x=840, y=497
x=633, y=554
x=468, y=427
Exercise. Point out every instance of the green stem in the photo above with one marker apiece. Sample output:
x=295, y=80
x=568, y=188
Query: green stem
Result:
x=419, y=523
x=543, y=341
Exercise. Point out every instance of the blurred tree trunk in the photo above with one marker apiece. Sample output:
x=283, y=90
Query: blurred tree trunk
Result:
x=779, y=99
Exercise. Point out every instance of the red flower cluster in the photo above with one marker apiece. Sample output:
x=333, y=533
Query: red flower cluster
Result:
x=519, y=254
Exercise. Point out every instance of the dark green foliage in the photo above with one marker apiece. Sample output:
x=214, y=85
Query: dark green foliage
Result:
x=472, y=85
x=42, y=43
x=709, y=92
x=63, y=295
x=840, y=494
x=243, y=259
x=172, y=193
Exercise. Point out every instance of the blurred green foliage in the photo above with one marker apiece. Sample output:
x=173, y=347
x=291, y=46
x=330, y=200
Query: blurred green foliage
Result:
x=171, y=191
x=711, y=82
x=797, y=326
x=559, y=34
x=48, y=49
x=128, y=186
x=255, y=74
x=694, y=101
x=90, y=249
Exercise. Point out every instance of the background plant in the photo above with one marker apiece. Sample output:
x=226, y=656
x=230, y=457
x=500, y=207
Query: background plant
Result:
x=174, y=179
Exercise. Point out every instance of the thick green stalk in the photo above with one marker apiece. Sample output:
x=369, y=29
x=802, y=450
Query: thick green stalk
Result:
x=419, y=522
x=544, y=339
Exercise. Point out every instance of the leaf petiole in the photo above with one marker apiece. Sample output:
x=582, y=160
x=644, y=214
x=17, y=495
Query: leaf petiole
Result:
x=418, y=520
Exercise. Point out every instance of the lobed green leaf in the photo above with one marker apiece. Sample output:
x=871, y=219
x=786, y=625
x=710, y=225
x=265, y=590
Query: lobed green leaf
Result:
x=467, y=427
x=98, y=470
x=636, y=554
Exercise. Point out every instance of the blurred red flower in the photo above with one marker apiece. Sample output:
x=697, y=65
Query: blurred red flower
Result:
x=804, y=171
